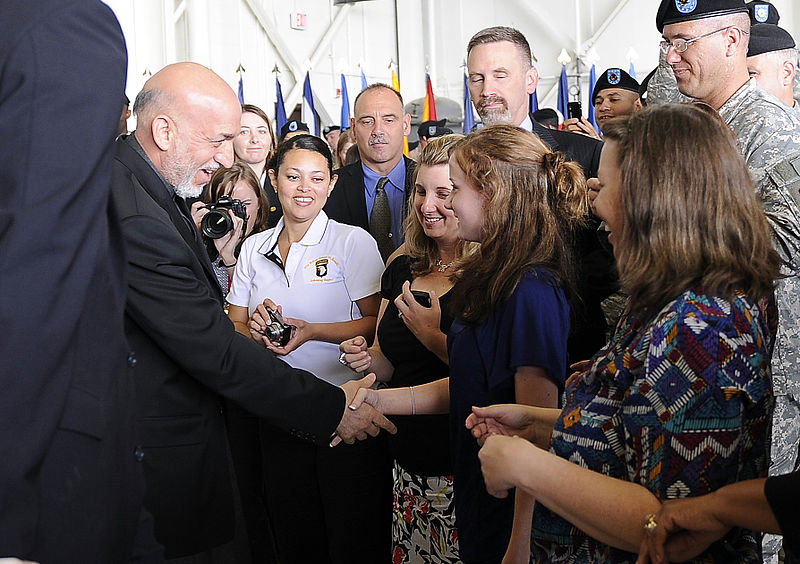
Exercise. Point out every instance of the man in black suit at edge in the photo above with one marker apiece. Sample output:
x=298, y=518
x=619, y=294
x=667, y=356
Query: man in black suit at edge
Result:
x=379, y=126
x=187, y=351
x=70, y=486
x=501, y=80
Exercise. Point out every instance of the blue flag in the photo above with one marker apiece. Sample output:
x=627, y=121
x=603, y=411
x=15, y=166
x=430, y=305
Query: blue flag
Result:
x=632, y=71
x=533, y=105
x=345, y=106
x=469, y=117
x=563, y=92
x=309, y=113
x=241, y=91
x=363, y=80
x=280, y=110
x=592, y=82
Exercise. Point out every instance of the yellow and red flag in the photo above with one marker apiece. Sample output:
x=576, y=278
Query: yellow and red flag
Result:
x=429, y=109
x=396, y=86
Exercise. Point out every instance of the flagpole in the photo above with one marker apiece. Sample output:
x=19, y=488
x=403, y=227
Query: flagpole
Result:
x=240, y=93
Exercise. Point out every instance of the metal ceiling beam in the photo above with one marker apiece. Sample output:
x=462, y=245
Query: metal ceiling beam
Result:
x=545, y=23
x=320, y=49
x=284, y=52
x=589, y=43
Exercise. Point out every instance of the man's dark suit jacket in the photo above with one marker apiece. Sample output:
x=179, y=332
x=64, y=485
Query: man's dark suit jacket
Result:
x=596, y=269
x=188, y=358
x=70, y=486
x=347, y=203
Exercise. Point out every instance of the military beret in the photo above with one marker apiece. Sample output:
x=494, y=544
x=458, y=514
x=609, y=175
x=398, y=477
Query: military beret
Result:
x=328, y=128
x=615, y=78
x=763, y=12
x=292, y=126
x=766, y=38
x=431, y=129
x=645, y=83
x=676, y=11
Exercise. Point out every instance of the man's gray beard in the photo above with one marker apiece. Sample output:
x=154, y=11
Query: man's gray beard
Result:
x=188, y=190
x=180, y=175
x=493, y=117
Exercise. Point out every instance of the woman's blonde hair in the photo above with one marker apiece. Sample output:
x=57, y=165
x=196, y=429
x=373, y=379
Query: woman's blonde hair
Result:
x=423, y=251
x=534, y=199
x=689, y=210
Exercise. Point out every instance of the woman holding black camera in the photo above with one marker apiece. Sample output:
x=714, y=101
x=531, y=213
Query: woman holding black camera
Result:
x=230, y=185
x=326, y=504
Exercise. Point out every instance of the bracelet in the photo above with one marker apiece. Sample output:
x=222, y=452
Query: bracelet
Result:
x=226, y=265
x=413, y=403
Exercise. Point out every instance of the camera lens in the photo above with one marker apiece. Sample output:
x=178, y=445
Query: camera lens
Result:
x=216, y=223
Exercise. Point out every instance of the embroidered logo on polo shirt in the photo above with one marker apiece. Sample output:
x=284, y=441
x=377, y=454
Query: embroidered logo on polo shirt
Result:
x=322, y=270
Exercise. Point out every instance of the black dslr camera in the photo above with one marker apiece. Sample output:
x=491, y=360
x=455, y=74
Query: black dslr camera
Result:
x=278, y=331
x=217, y=223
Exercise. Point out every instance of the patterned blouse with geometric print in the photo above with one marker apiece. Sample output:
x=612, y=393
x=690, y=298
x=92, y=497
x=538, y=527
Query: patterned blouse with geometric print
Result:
x=680, y=403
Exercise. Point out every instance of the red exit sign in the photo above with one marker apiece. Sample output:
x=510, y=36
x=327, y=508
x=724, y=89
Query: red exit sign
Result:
x=298, y=20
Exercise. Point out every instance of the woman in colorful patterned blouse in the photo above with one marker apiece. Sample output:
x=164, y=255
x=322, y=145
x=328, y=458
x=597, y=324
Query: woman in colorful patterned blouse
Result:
x=677, y=403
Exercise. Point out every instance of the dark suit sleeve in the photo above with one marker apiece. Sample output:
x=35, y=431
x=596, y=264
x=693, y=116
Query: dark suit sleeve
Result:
x=62, y=74
x=176, y=310
x=783, y=494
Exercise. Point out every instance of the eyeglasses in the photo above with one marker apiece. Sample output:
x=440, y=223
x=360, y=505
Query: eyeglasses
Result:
x=681, y=45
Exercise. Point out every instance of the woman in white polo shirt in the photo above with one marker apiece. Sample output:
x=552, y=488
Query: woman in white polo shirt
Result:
x=325, y=504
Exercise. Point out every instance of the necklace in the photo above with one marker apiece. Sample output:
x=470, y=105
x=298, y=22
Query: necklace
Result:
x=441, y=267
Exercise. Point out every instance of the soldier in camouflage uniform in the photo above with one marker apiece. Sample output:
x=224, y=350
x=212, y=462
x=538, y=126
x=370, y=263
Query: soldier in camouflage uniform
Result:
x=704, y=57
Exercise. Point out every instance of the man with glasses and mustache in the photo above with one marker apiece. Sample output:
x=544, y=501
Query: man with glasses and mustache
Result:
x=704, y=48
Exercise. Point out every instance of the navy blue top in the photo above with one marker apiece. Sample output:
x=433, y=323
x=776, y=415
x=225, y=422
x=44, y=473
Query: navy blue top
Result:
x=529, y=329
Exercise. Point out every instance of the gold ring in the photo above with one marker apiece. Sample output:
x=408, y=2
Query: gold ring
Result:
x=650, y=524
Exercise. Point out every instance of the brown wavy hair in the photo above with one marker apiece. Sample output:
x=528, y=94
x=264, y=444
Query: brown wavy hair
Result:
x=689, y=211
x=423, y=251
x=534, y=199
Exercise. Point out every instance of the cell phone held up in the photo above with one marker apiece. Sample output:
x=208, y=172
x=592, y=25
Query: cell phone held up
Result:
x=423, y=298
x=574, y=110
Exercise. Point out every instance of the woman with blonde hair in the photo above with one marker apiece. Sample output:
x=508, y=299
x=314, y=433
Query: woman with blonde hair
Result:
x=520, y=201
x=678, y=402
x=410, y=349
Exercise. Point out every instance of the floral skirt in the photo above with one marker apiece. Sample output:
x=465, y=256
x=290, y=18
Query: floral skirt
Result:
x=423, y=519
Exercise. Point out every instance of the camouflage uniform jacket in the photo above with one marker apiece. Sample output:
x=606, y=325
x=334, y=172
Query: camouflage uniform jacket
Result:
x=769, y=135
x=663, y=88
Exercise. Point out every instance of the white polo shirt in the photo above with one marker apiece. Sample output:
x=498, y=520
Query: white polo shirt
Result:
x=330, y=268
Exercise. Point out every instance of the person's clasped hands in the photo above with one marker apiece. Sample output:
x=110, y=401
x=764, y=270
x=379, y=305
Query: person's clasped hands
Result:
x=361, y=418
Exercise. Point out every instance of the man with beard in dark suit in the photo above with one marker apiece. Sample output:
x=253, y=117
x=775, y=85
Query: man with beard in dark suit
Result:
x=189, y=356
x=501, y=80
x=383, y=177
